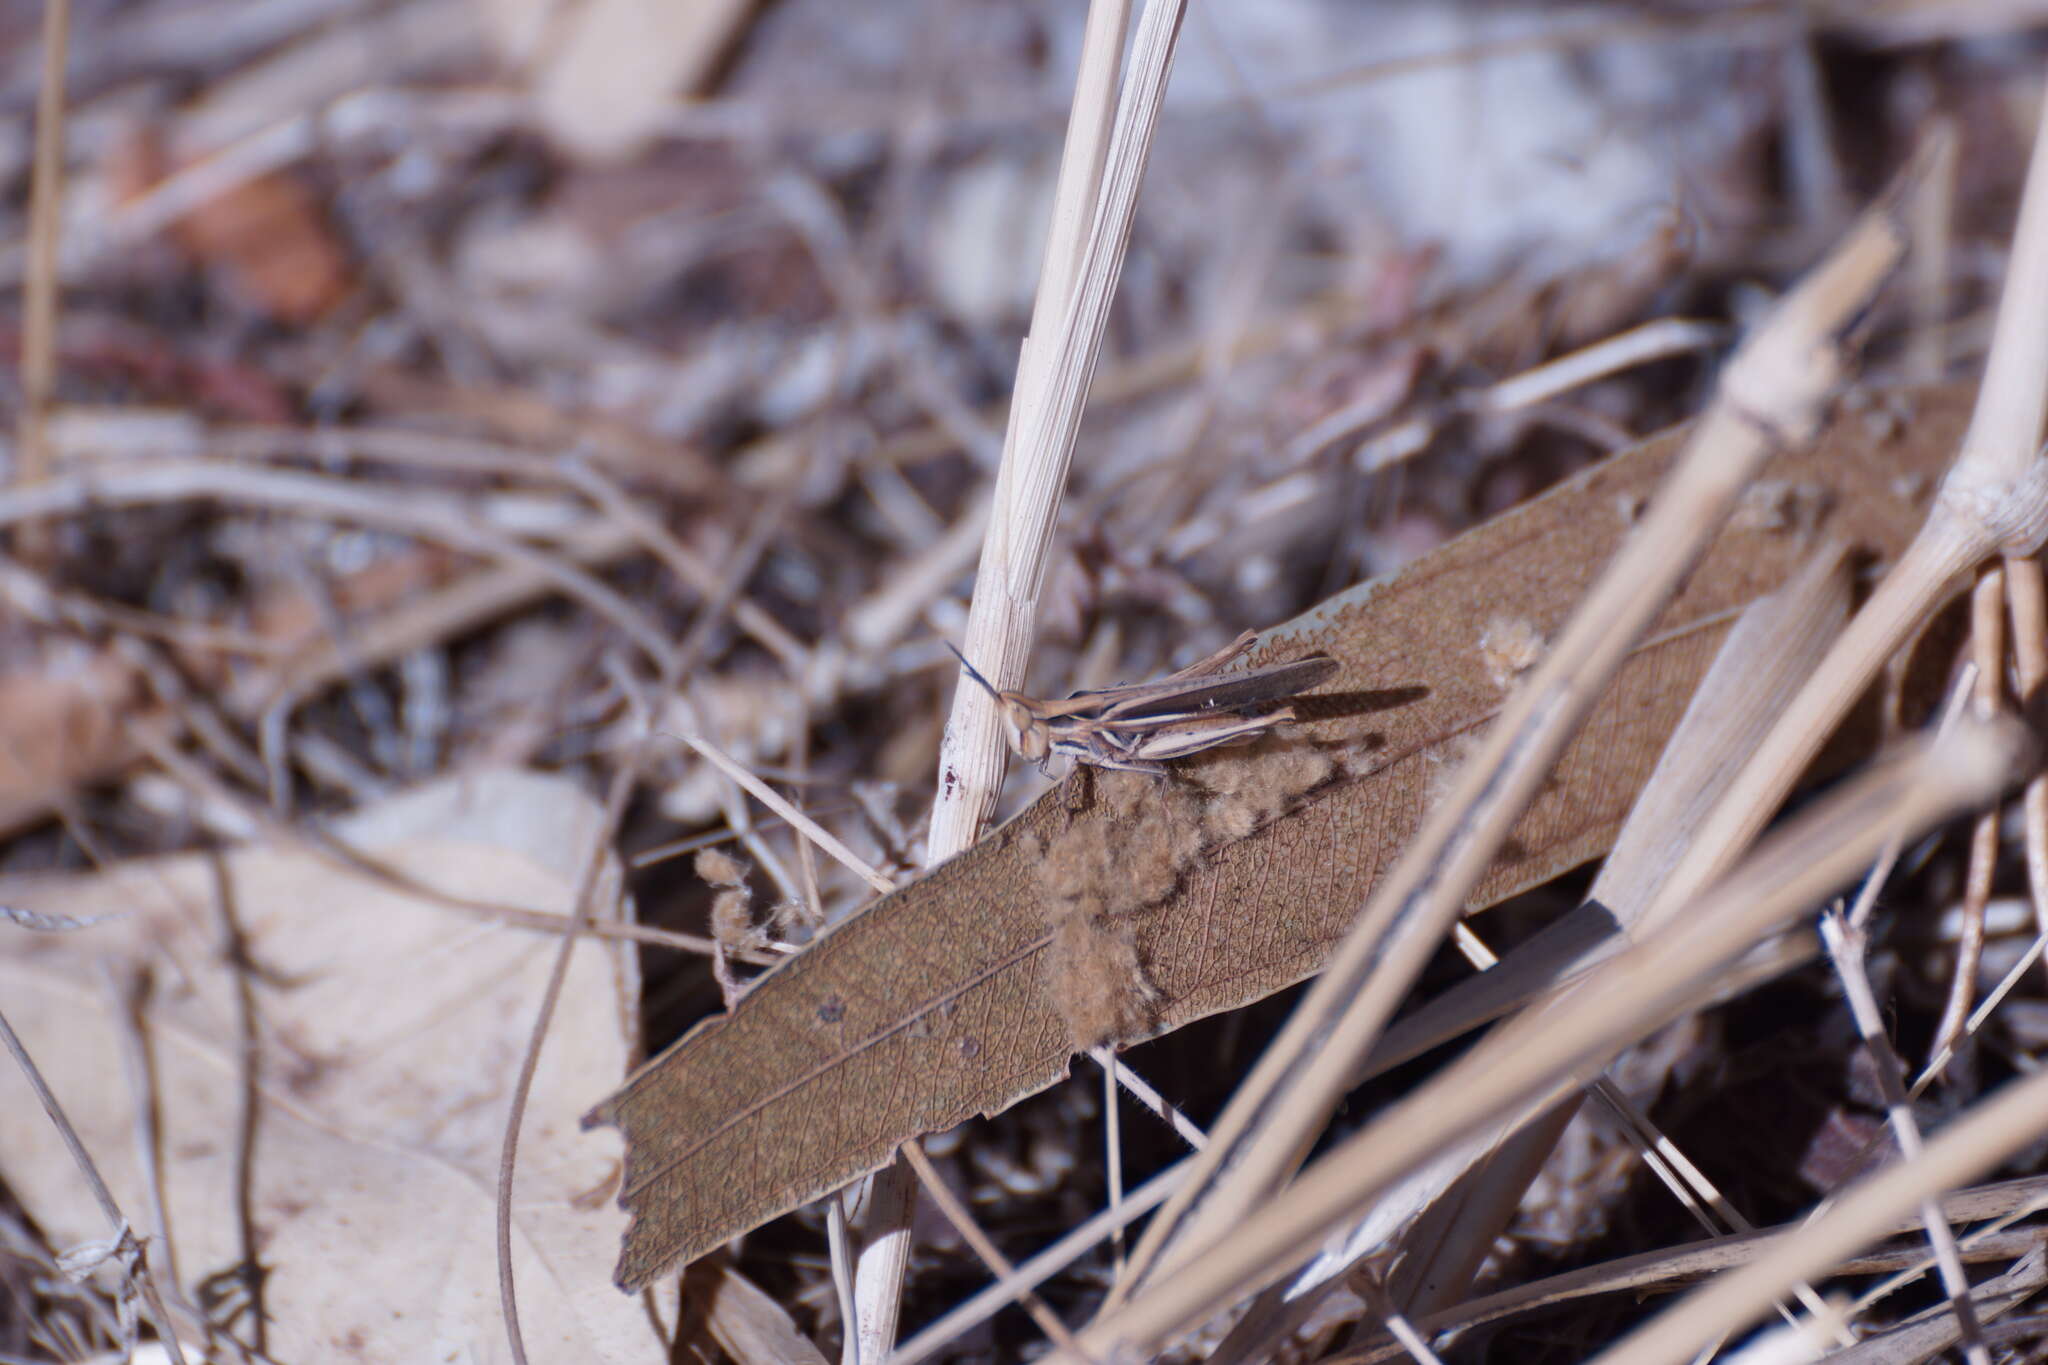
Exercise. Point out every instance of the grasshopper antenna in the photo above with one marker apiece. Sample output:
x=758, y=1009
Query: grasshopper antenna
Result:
x=986, y=685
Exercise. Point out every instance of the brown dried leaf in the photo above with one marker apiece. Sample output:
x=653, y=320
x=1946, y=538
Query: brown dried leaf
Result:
x=940, y=1001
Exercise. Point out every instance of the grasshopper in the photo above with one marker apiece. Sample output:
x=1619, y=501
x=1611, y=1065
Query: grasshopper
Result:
x=1136, y=727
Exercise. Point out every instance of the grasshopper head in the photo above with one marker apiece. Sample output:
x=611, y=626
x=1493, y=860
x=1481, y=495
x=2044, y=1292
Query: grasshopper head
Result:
x=1028, y=738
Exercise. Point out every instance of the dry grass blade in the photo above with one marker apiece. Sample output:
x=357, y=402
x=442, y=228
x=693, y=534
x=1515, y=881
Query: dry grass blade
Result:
x=1774, y=391
x=1529, y=1065
x=2005, y=1202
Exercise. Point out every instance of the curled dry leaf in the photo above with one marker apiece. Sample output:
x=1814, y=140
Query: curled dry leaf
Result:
x=389, y=1030
x=941, y=1001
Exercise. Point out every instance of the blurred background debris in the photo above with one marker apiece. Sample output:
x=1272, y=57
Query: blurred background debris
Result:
x=425, y=371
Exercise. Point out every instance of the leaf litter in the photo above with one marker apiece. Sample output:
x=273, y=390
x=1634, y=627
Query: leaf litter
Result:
x=382, y=1071
x=794, y=301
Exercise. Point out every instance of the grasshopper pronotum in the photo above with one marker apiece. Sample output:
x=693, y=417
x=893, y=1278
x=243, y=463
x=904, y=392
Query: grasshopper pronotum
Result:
x=1137, y=727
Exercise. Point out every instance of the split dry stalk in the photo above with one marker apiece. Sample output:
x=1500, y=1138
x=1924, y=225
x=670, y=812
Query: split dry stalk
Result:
x=1531, y=1065
x=1093, y=205
x=1053, y=376
x=1774, y=391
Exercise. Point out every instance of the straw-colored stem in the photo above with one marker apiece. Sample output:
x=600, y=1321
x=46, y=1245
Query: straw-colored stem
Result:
x=1015, y=549
x=1535, y=1064
x=1776, y=385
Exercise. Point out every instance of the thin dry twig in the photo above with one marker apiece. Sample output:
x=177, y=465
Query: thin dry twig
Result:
x=1987, y=646
x=1539, y=384
x=436, y=518
x=41, y=280
x=1051, y=1261
x=687, y=565
x=792, y=816
x=162, y=750
x=1846, y=946
x=126, y=1001
x=2027, y=600
x=585, y=911
x=145, y=1278
x=234, y=949
x=963, y=1222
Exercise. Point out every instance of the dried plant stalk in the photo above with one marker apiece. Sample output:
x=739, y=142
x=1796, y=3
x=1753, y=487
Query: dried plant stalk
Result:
x=1993, y=501
x=1465, y=1204
x=1776, y=645
x=1084, y=255
x=1774, y=391
x=1532, y=1064
x=1046, y=414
